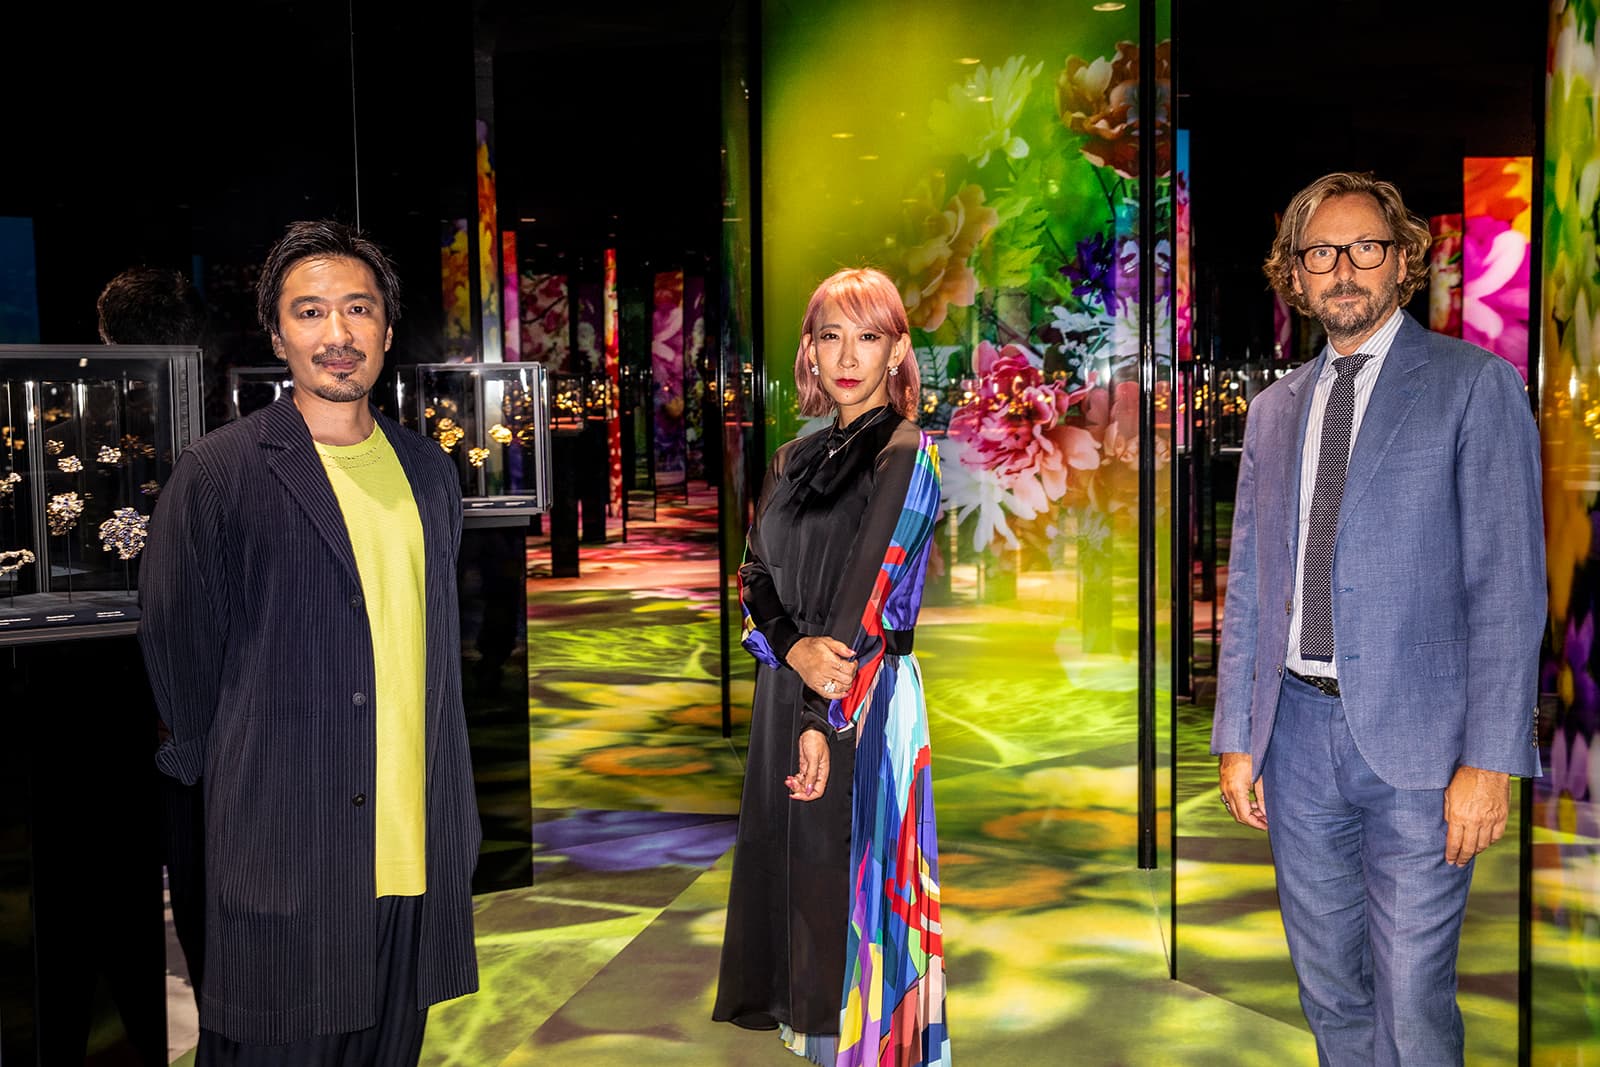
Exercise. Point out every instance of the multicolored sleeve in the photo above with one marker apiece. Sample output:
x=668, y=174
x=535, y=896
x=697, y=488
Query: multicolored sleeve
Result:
x=881, y=594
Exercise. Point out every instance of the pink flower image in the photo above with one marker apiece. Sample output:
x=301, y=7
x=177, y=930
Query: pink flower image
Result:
x=1013, y=428
x=1495, y=256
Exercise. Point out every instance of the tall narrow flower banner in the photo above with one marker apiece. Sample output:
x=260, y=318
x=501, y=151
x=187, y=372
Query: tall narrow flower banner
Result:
x=1566, y=834
x=694, y=375
x=997, y=178
x=456, y=284
x=512, y=296
x=1183, y=274
x=1183, y=288
x=488, y=249
x=613, y=390
x=666, y=362
x=588, y=356
x=1496, y=219
x=1444, y=275
x=545, y=318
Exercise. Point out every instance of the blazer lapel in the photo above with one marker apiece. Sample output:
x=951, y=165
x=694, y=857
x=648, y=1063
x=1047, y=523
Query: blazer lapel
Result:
x=292, y=457
x=1393, y=397
x=1302, y=384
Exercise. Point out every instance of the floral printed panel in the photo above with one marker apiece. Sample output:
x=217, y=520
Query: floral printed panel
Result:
x=1566, y=836
x=1444, y=275
x=1183, y=278
x=456, y=285
x=613, y=386
x=488, y=247
x=994, y=163
x=512, y=297
x=666, y=363
x=1496, y=220
x=545, y=317
x=997, y=180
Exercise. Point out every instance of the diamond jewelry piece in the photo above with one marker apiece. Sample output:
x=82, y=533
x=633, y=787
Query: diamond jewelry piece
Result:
x=124, y=533
x=70, y=464
x=63, y=511
x=13, y=561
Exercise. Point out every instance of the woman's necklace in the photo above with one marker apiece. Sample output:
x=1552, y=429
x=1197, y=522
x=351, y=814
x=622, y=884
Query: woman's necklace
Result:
x=836, y=449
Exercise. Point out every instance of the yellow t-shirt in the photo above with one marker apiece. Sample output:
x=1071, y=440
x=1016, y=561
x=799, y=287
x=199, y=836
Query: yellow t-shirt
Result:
x=385, y=530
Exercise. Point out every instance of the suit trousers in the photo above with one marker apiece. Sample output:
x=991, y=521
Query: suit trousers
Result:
x=1371, y=909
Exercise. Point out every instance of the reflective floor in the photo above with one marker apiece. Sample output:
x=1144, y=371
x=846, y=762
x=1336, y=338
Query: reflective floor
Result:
x=1056, y=945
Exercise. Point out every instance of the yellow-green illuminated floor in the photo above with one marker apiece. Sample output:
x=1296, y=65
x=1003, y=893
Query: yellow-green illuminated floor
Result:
x=1058, y=945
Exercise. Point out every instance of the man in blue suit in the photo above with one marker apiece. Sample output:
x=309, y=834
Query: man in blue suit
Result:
x=1386, y=598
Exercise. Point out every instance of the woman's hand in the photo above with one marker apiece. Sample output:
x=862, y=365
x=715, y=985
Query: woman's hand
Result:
x=825, y=665
x=812, y=778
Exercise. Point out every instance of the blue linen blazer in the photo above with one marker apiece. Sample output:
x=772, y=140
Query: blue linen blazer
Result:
x=1438, y=568
x=256, y=639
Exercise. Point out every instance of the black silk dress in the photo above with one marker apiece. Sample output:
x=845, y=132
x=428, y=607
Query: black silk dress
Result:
x=814, y=550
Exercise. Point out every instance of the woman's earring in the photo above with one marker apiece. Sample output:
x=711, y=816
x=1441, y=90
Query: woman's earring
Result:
x=814, y=369
x=894, y=370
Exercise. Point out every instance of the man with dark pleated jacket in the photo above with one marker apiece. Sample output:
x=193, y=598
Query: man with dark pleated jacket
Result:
x=301, y=631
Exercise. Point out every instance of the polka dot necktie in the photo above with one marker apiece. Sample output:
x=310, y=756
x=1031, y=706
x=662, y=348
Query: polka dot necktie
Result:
x=1333, y=456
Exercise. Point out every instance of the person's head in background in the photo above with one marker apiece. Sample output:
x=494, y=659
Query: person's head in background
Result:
x=150, y=306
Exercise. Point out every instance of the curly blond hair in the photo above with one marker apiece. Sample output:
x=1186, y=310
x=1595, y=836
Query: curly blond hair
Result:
x=1409, y=231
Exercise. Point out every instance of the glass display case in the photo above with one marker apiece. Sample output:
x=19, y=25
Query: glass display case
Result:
x=88, y=436
x=566, y=403
x=493, y=419
x=252, y=388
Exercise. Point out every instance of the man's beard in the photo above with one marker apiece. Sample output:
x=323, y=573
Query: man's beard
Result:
x=345, y=388
x=1354, y=320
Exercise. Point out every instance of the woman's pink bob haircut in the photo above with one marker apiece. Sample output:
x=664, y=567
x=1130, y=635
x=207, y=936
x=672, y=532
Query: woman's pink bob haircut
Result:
x=866, y=296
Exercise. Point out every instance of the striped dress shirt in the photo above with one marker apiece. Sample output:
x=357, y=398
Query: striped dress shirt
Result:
x=1377, y=346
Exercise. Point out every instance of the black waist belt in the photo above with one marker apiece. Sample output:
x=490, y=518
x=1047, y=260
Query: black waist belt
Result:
x=898, y=642
x=895, y=642
x=1330, y=686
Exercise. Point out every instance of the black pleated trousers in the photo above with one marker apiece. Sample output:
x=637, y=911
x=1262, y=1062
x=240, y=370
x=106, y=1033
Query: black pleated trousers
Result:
x=395, y=1040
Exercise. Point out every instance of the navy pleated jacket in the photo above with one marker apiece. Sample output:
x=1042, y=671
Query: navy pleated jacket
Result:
x=255, y=634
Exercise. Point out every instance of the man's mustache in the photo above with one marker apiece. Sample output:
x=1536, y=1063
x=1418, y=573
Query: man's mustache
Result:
x=339, y=354
x=1346, y=289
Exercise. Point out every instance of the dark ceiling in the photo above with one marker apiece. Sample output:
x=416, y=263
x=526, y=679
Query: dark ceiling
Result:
x=172, y=131
x=1276, y=94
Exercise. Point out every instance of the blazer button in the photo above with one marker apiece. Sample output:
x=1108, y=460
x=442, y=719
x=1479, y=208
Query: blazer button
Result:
x=359, y=799
x=355, y=601
x=359, y=699
x=1280, y=672
x=1288, y=607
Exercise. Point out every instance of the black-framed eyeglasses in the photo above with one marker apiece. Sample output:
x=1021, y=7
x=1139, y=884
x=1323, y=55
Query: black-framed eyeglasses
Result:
x=1364, y=255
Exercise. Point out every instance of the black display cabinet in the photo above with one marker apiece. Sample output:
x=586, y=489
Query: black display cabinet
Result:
x=88, y=436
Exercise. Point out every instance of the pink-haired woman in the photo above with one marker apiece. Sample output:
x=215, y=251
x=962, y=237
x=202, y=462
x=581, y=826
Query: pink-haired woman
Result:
x=833, y=931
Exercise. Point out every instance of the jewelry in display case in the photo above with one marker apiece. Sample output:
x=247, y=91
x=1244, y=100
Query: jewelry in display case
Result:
x=88, y=434
x=492, y=419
